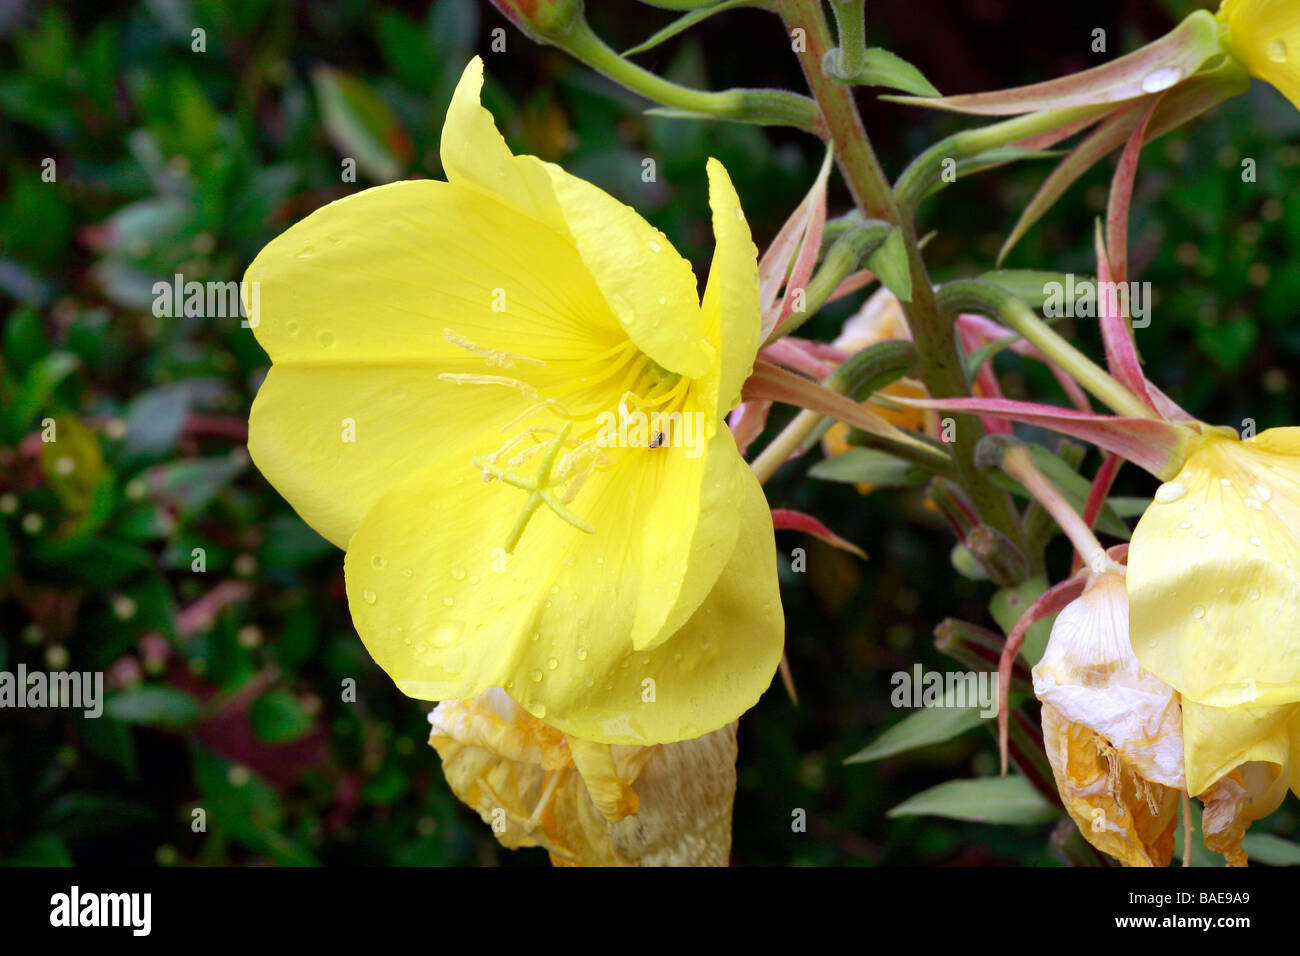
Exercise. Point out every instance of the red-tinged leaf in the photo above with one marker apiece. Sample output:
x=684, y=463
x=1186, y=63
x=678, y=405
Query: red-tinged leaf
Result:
x=986, y=382
x=1121, y=353
x=1147, y=442
x=1097, y=495
x=1121, y=197
x=859, y=280
x=793, y=355
x=1053, y=601
x=783, y=519
x=772, y=382
x=1155, y=67
x=748, y=421
x=802, y=236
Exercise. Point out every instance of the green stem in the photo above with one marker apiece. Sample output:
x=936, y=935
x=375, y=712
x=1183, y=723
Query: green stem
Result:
x=785, y=444
x=986, y=298
x=940, y=368
x=840, y=261
x=1020, y=465
x=764, y=107
x=850, y=27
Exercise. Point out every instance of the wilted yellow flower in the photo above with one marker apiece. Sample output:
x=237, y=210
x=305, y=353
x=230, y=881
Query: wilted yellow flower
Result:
x=586, y=803
x=1110, y=728
x=1265, y=36
x=464, y=389
x=1214, y=593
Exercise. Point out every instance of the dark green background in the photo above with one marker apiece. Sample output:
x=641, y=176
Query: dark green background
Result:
x=174, y=161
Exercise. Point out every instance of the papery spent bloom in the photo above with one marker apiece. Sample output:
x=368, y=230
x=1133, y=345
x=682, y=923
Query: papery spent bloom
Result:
x=463, y=381
x=1214, y=586
x=537, y=787
x=1265, y=36
x=1113, y=733
x=1111, y=729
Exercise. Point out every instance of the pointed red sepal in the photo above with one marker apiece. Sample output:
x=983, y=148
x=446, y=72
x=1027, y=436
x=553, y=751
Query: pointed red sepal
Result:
x=784, y=519
x=789, y=260
x=1155, y=67
x=1149, y=443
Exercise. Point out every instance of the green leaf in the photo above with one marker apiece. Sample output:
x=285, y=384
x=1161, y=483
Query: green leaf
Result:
x=867, y=465
x=889, y=263
x=278, y=717
x=45, y=849
x=986, y=800
x=883, y=68
x=191, y=484
x=684, y=23
x=929, y=725
x=38, y=386
x=1266, y=848
x=155, y=706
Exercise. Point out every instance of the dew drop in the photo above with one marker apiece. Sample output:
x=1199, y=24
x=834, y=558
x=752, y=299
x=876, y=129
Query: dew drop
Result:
x=1253, y=594
x=1202, y=534
x=663, y=300
x=582, y=653
x=1170, y=492
x=326, y=339
x=1254, y=539
x=1184, y=525
x=370, y=597
x=535, y=676
x=449, y=601
x=552, y=663
x=1262, y=492
x=407, y=572
x=1225, y=482
x=655, y=247
x=538, y=710
x=447, y=633
x=1198, y=612
x=1277, y=51
x=1253, y=504
x=1161, y=79
x=292, y=327
x=378, y=562
x=305, y=253
x=1151, y=643
x=458, y=574
x=570, y=560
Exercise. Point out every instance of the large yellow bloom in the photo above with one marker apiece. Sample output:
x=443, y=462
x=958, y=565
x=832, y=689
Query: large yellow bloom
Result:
x=1265, y=36
x=446, y=359
x=1214, y=588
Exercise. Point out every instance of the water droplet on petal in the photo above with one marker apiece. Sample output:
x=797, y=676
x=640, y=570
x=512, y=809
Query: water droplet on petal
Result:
x=1254, y=539
x=1198, y=612
x=654, y=246
x=326, y=339
x=449, y=601
x=1262, y=492
x=1184, y=525
x=1277, y=51
x=378, y=562
x=305, y=253
x=552, y=664
x=1253, y=594
x=535, y=676
x=582, y=653
x=292, y=327
x=458, y=574
x=1161, y=79
x=1253, y=504
x=370, y=597
x=1170, y=492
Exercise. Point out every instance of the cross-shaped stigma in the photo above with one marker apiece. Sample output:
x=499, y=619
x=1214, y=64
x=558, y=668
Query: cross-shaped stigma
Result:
x=539, y=489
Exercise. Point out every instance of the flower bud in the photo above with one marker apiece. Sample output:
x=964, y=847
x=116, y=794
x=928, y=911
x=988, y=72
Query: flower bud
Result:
x=542, y=20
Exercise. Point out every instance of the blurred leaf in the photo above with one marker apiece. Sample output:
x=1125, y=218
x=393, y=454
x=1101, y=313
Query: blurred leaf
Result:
x=360, y=125
x=1266, y=848
x=291, y=543
x=867, y=465
x=25, y=341
x=154, y=705
x=44, y=849
x=278, y=717
x=73, y=465
x=191, y=484
x=38, y=387
x=1009, y=799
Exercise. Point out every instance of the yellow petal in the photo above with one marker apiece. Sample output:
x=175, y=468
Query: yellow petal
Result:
x=1259, y=742
x=648, y=285
x=466, y=615
x=474, y=154
x=1265, y=36
x=1212, y=574
x=364, y=303
x=732, y=317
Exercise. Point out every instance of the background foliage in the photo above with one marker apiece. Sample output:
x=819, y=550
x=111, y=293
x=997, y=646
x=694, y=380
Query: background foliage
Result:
x=225, y=684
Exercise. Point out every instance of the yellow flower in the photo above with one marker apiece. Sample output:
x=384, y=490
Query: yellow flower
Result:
x=1265, y=36
x=537, y=787
x=461, y=395
x=1214, y=594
